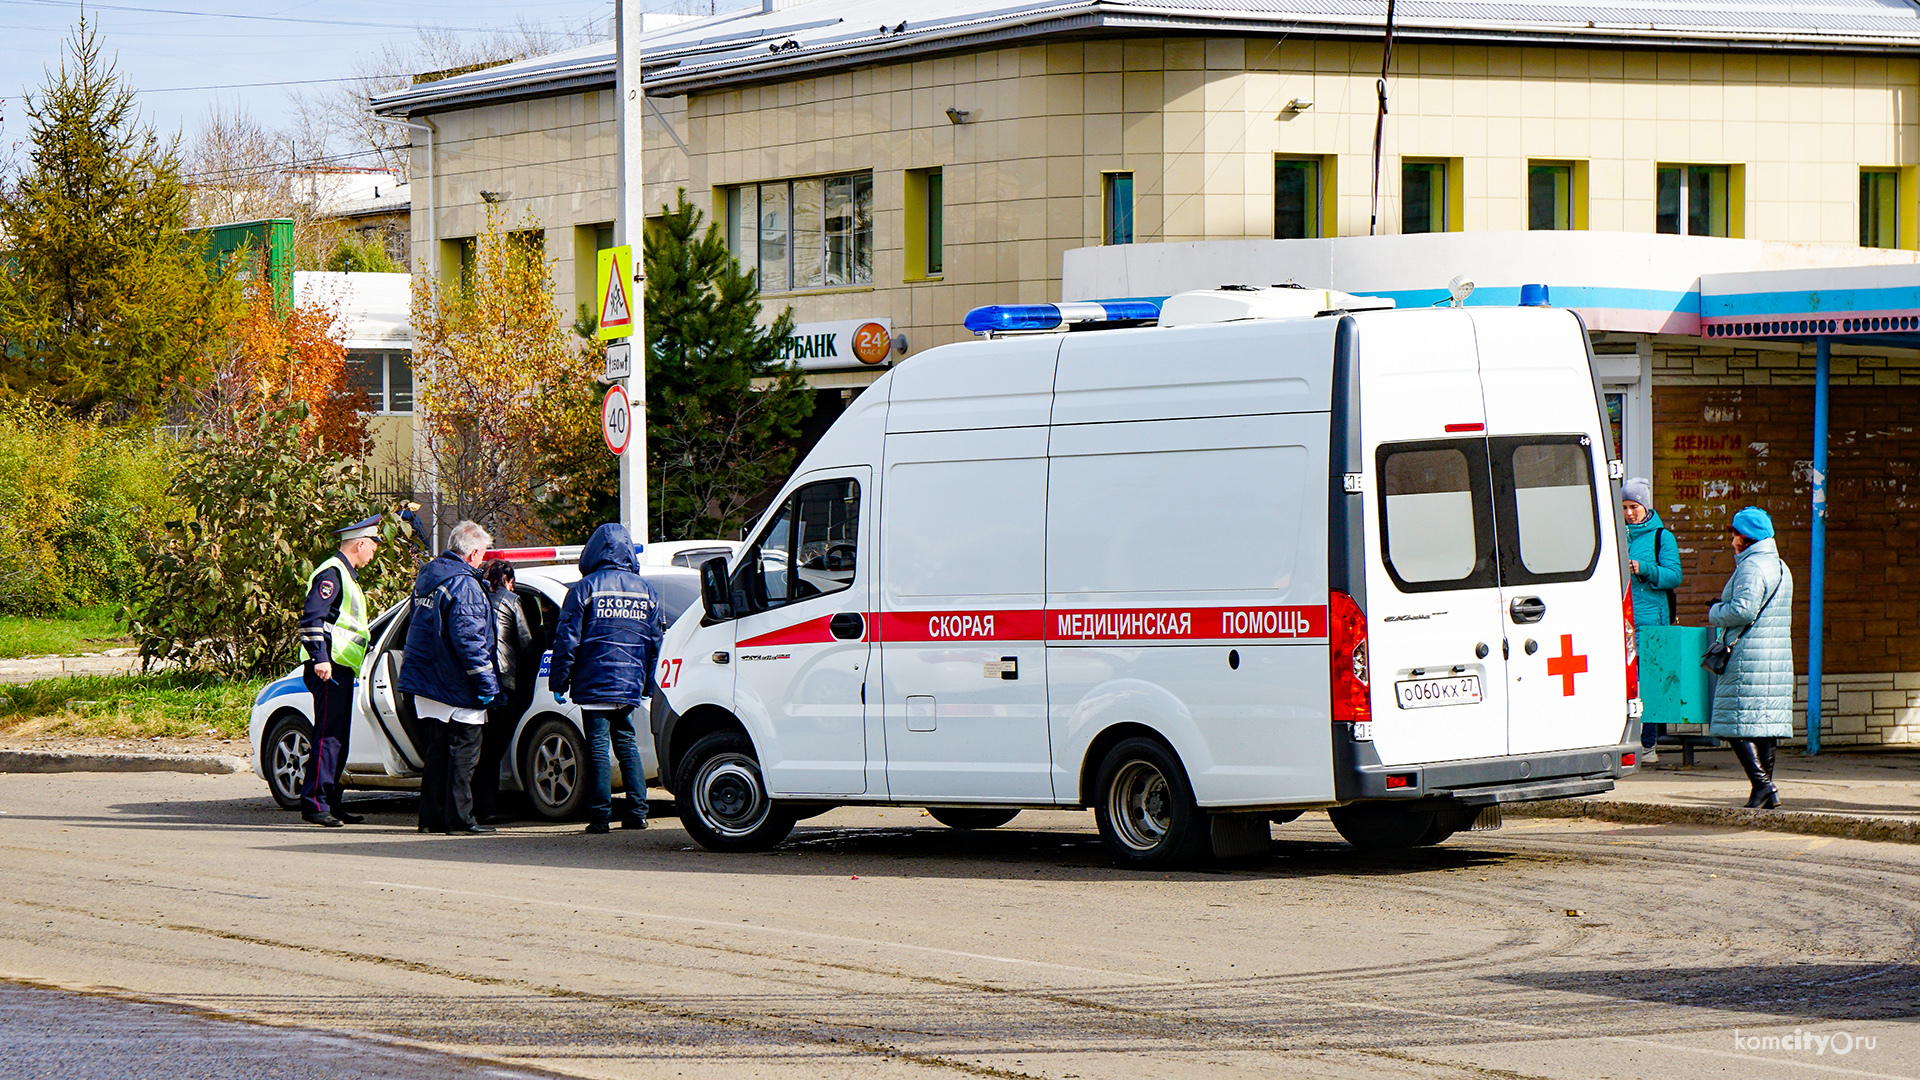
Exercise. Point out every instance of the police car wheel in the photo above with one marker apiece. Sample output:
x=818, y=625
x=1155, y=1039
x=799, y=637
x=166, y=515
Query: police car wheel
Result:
x=1374, y=828
x=724, y=804
x=285, y=755
x=554, y=769
x=1145, y=807
x=954, y=817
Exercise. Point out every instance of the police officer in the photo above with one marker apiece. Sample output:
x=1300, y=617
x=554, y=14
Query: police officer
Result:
x=603, y=651
x=333, y=630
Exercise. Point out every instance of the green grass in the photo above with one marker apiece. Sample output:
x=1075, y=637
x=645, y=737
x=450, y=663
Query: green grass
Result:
x=78, y=630
x=167, y=703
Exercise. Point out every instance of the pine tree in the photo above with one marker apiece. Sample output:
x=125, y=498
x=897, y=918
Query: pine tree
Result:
x=723, y=409
x=106, y=305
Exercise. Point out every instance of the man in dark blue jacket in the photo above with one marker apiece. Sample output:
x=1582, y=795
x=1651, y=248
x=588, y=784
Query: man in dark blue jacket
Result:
x=603, y=650
x=448, y=669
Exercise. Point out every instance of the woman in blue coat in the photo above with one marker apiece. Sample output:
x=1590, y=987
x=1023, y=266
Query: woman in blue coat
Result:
x=1653, y=561
x=1753, y=697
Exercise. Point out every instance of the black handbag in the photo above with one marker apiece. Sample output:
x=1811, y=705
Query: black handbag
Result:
x=1721, y=651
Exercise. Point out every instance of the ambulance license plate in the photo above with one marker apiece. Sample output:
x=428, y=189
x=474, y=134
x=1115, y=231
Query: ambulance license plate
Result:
x=1435, y=693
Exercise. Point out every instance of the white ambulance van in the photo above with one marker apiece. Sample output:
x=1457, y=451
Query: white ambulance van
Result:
x=1273, y=552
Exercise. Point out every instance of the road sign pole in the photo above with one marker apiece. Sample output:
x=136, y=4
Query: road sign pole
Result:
x=630, y=186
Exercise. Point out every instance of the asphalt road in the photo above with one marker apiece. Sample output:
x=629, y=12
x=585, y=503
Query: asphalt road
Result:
x=877, y=943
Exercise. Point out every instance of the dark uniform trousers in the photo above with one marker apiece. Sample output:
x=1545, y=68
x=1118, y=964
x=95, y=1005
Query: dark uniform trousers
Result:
x=332, y=726
x=446, y=786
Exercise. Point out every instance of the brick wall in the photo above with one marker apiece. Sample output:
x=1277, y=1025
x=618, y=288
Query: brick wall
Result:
x=1733, y=427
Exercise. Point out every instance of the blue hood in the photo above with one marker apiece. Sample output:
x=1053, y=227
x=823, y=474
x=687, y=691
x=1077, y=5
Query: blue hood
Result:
x=610, y=548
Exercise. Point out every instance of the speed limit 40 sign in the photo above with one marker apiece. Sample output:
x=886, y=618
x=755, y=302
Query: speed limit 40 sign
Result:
x=616, y=419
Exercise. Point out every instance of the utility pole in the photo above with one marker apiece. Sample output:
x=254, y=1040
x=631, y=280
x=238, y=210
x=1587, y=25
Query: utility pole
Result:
x=630, y=191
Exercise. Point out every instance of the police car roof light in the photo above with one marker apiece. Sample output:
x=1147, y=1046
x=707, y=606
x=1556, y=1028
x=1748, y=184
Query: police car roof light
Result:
x=1031, y=318
x=563, y=553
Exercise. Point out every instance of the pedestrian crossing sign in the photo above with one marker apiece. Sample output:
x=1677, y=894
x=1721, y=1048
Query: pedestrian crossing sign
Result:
x=615, y=292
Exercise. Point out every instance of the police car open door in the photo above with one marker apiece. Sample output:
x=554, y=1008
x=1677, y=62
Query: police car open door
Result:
x=802, y=650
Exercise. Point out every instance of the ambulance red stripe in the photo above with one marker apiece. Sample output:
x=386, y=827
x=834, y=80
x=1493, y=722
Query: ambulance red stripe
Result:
x=1072, y=624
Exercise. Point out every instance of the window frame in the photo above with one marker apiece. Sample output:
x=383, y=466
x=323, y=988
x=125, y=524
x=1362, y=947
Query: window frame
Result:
x=1564, y=198
x=1485, y=572
x=1314, y=215
x=1116, y=192
x=1439, y=195
x=382, y=399
x=1893, y=228
x=1731, y=210
x=858, y=253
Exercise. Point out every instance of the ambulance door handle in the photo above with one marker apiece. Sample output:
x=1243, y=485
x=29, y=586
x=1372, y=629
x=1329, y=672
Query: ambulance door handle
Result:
x=847, y=626
x=1527, y=609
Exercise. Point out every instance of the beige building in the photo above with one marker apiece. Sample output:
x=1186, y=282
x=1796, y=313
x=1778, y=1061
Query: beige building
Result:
x=1003, y=142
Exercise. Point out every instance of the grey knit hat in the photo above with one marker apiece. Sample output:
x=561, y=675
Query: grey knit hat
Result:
x=1639, y=490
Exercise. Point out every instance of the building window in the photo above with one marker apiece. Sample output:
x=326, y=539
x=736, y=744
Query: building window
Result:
x=1117, y=203
x=1879, y=208
x=1549, y=195
x=1297, y=211
x=926, y=224
x=385, y=377
x=1423, y=197
x=804, y=234
x=1695, y=200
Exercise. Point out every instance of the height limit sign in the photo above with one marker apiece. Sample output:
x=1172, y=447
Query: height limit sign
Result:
x=616, y=419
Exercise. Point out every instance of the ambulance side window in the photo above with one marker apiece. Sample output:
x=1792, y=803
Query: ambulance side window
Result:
x=1436, y=525
x=808, y=549
x=1545, y=485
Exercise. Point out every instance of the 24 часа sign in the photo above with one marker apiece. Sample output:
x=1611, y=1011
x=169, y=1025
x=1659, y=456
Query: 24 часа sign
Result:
x=852, y=343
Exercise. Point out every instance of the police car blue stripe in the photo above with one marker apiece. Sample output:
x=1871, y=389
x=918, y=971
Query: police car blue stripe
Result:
x=281, y=689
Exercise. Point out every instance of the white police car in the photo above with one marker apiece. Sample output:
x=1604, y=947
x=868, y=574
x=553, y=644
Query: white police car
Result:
x=548, y=755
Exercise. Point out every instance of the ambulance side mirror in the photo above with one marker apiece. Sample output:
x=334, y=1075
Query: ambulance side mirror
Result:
x=714, y=593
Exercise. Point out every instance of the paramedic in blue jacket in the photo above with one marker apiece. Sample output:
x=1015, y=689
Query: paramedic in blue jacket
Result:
x=449, y=671
x=1653, y=561
x=603, y=652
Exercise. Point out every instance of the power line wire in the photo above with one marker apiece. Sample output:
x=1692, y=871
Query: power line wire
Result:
x=250, y=18
x=238, y=86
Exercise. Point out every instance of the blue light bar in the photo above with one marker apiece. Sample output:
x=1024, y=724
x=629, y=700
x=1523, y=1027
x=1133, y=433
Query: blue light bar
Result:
x=1012, y=318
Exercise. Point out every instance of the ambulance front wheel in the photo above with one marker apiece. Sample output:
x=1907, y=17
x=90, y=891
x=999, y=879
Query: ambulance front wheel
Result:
x=723, y=800
x=1145, y=807
x=1374, y=828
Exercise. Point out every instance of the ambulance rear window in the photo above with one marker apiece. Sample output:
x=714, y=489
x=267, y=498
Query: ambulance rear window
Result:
x=1556, y=526
x=1434, y=515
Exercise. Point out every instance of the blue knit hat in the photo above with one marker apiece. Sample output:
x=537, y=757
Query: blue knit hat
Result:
x=1753, y=523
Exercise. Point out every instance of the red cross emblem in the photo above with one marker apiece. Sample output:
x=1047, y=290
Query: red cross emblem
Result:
x=1566, y=665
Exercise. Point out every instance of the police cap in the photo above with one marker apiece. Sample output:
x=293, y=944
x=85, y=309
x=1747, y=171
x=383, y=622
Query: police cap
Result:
x=369, y=527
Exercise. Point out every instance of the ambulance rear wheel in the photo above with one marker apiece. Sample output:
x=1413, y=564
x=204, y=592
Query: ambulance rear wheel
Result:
x=954, y=817
x=1374, y=828
x=1145, y=807
x=723, y=800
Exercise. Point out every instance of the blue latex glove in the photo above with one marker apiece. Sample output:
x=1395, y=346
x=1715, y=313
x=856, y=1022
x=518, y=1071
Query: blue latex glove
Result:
x=486, y=699
x=559, y=697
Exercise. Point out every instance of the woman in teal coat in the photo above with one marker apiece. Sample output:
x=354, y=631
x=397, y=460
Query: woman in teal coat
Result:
x=1653, y=561
x=1753, y=697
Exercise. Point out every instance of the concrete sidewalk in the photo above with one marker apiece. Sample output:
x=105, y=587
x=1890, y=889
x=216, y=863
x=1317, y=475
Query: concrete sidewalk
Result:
x=1868, y=796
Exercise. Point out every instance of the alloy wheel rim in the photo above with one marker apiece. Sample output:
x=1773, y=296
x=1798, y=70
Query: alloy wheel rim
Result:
x=556, y=769
x=730, y=798
x=1140, y=805
x=290, y=753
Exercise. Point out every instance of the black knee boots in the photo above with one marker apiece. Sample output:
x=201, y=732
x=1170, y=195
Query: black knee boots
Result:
x=1765, y=796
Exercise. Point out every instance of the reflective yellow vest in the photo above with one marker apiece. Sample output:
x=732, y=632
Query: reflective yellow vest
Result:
x=347, y=634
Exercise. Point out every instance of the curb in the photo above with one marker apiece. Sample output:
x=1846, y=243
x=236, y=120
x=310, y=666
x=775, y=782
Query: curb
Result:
x=1788, y=821
x=59, y=761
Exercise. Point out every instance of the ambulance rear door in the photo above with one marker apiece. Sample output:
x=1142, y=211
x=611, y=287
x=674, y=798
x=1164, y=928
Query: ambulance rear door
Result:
x=1555, y=518
x=1433, y=602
